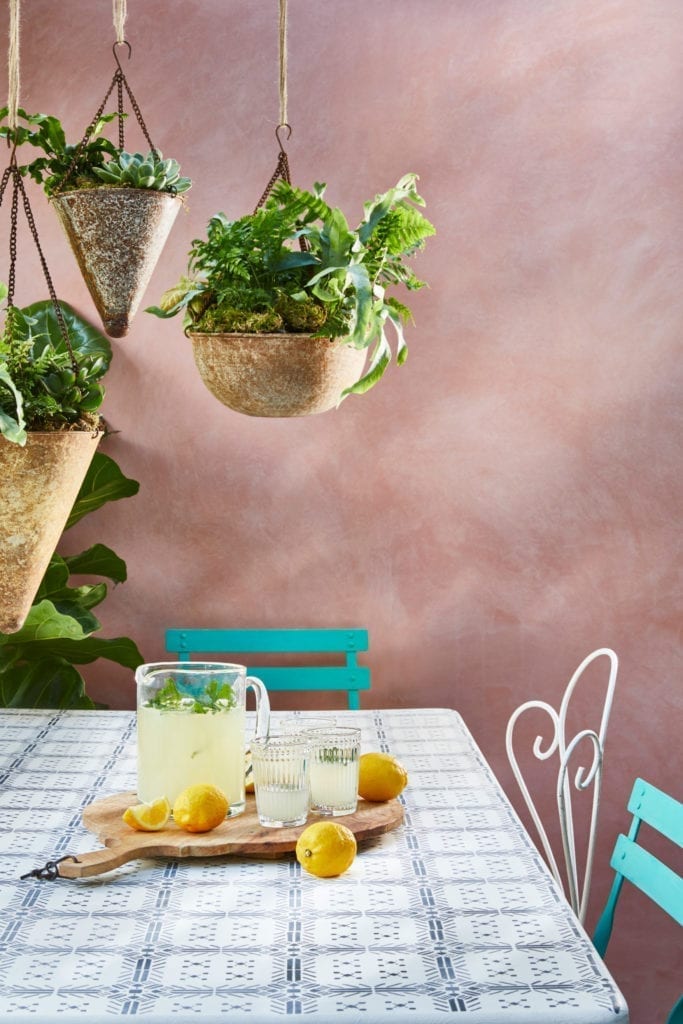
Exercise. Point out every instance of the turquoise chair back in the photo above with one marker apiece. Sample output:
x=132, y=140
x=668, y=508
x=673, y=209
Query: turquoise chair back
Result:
x=349, y=676
x=639, y=867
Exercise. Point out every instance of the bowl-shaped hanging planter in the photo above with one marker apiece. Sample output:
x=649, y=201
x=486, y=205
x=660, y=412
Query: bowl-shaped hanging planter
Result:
x=116, y=235
x=276, y=374
x=40, y=482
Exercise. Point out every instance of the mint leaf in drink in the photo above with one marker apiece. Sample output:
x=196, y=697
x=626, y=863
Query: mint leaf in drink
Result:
x=169, y=696
x=220, y=692
x=216, y=697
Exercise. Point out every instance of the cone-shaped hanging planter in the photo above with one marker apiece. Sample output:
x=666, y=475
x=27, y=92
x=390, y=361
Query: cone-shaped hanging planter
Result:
x=276, y=374
x=116, y=235
x=40, y=483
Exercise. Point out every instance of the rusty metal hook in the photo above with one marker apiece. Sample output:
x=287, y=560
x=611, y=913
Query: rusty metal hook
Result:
x=116, y=56
x=277, y=134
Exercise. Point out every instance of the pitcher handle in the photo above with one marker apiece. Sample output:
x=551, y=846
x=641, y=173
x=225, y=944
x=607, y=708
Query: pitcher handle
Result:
x=262, y=707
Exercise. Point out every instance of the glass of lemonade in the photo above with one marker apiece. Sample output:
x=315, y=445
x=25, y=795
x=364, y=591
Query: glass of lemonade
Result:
x=335, y=758
x=191, y=728
x=281, y=779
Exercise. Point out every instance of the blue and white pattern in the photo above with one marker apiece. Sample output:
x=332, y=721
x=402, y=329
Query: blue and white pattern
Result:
x=454, y=915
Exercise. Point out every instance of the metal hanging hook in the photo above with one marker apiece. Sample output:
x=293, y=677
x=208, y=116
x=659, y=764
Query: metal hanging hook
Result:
x=277, y=134
x=116, y=56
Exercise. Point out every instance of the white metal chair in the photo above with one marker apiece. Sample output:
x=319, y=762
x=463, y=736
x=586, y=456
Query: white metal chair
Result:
x=577, y=891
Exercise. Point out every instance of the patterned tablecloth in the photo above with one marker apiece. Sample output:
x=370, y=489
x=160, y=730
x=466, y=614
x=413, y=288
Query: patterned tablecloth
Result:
x=453, y=916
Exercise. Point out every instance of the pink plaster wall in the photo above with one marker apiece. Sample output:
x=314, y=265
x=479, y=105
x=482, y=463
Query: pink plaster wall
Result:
x=507, y=501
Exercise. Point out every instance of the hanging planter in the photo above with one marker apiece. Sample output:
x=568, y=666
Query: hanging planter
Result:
x=116, y=235
x=278, y=331
x=40, y=483
x=283, y=306
x=276, y=374
x=49, y=423
x=116, y=208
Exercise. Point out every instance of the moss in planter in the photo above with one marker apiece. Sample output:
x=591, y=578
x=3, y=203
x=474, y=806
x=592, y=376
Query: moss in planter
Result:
x=305, y=315
x=227, y=319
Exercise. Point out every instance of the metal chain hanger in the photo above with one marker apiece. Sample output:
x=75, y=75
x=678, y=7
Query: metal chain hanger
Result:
x=119, y=81
x=12, y=171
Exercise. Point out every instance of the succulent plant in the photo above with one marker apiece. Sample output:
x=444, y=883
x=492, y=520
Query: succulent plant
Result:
x=138, y=170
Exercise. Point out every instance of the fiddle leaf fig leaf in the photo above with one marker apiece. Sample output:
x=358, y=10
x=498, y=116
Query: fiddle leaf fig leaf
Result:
x=103, y=482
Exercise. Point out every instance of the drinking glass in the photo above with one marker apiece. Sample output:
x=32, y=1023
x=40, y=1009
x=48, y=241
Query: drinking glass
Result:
x=335, y=756
x=281, y=779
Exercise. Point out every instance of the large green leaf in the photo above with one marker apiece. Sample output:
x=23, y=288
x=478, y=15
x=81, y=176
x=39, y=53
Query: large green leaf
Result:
x=99, y=560
x=103, y=482
x=47, y=631
x=45, y=625
x=48, y=683
x=85, y=339
x=120, y=649
x=74, y=601
x=55, y=581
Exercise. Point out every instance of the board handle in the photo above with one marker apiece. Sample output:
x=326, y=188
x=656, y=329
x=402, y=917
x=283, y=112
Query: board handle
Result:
x=83, y=866
x=95, y=863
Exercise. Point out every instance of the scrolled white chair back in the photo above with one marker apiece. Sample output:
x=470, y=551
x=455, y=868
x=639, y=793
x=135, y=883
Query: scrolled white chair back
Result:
x=576, y=884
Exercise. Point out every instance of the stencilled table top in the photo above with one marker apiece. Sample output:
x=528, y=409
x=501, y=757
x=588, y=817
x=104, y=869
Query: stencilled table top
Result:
x=452, y=916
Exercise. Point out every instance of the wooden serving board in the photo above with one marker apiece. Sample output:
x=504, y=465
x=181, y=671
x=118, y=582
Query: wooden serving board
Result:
x=241, y=835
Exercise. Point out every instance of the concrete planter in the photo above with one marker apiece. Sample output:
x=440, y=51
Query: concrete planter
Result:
x=276, y=374
x=40, y=483
x=116, y=235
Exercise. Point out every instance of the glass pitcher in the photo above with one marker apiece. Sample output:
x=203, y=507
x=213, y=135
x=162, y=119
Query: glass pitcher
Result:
x=191, y=728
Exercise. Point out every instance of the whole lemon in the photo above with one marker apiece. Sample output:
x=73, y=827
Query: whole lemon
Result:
x=326, y=849
x=200, y=808
x=380, y=777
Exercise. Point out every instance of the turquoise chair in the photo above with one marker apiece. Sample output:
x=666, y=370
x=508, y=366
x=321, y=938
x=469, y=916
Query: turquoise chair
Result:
x=630, y=861
x=349, y=677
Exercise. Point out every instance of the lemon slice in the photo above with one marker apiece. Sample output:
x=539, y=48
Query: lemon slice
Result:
x=326, y=849
x=148, y=817
x=381, y=777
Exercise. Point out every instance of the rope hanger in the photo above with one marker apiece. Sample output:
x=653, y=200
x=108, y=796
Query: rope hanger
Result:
x=12, y=171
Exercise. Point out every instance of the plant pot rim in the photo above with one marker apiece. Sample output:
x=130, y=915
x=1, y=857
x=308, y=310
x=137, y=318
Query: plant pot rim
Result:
x=115, y=188
x=90, y=431
x=265, y=334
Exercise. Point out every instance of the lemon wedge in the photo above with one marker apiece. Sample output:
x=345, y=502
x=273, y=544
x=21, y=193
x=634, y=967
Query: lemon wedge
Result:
x=148, y=817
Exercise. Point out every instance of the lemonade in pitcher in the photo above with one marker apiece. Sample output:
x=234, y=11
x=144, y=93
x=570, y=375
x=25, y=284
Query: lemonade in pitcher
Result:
x=191, y=728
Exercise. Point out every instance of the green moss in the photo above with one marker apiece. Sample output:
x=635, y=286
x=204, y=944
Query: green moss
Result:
x=305, y=315
x=227, y=319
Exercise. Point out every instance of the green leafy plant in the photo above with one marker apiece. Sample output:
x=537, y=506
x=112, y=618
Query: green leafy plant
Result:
x=39, y=388
x=256, y=275
x=99, y=162
x=37, y=662
x=140, y=171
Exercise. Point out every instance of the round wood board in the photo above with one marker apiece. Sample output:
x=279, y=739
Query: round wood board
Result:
x=242, y=835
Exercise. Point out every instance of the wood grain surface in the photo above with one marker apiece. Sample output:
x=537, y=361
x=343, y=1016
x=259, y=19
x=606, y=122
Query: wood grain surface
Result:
x=242, y=836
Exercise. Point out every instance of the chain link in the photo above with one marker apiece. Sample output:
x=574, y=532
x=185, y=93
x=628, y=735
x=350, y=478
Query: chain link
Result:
x=141, y=121
x=120, y=82
x=88, y=132
x=18, y=187
x=43, y=262
x=281, y=172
